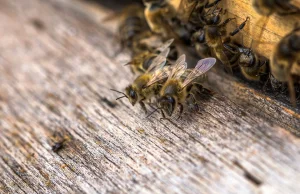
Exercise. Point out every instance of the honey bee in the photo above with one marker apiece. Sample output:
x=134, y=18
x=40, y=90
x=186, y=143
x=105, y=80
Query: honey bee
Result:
x=285, y=60
x=252, y=66
x=139, y=91
x=158, y=13
x=193, y=10
x=198, y=41
x=132, y=23
x=142, y=61
x=214, y=34
x=175, y=90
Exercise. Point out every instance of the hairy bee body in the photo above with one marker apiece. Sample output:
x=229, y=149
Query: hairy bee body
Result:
x=252, y=67
x=132, y=24
x=142, y=93
x=178, y=86
x=173, y=88
x=286, y=55
x=285, y=60
x=141, y=62
x=198, y=40
x=157, y=14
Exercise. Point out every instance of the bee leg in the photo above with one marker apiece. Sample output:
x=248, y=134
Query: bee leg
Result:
x=224, y=59
x=143, y=106
x=239, y=28
x=224, y=24
x=193, y=105
x=163, y=116
x=265, y=85
x=292, y=90
x=180, y=110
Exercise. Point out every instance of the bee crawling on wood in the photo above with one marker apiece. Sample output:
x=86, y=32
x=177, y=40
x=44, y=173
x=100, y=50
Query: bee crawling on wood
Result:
x=252, y=66
x=175, y=91
x=139, y=91
x=213, y=37
x=285, y=60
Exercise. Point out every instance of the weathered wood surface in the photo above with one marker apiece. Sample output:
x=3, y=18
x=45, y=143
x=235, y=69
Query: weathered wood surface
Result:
x=55, y=74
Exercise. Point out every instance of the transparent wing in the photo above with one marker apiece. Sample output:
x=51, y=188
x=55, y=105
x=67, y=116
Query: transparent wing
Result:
x=159, y=61
x=185, y=9
x=202, y=67
x=165, y=45
x=159, y=75
x=178, y=68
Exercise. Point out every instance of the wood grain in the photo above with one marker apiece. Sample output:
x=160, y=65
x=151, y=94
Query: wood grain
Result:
x=57, y=67
x=276, y=27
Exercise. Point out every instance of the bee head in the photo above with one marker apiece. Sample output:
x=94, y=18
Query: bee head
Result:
x=132, y=94
x=167, y=104
x=294, y=42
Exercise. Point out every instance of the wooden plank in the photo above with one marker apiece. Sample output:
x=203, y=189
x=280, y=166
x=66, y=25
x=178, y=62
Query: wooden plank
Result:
x=55, y=74
x=273, y=30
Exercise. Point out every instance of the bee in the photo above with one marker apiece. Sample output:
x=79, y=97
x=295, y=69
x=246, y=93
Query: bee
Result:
x=252, y=66
x=175, y=91
x=139, y=91
x=142, y=61
x=158, y=13
x=285, y=60
x=214, y=34
x=198, y=41
x=132, y=23
x=193, y=10
x=198, y=37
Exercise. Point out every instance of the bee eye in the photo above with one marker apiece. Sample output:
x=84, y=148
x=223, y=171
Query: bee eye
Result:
x=132, y=94
x=202, y=38
x=170, y=99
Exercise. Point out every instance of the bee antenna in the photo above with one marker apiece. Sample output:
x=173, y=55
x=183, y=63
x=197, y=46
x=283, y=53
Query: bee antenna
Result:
x=129, y=63
x=121, y=97
x=152, y=112
x=118, y=92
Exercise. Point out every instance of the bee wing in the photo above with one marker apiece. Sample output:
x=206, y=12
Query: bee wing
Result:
x=159, y=75
x=202, y=67
x=159, y=61
x=178, y=68
x=166, y=45
x=186, y=9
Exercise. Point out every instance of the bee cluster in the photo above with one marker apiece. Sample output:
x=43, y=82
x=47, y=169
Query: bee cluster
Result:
x=202, y=25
